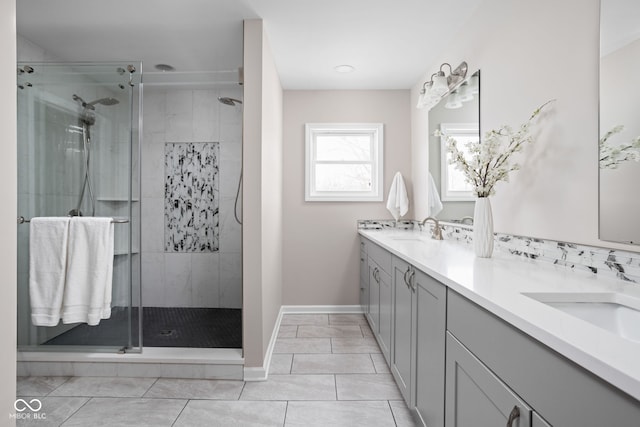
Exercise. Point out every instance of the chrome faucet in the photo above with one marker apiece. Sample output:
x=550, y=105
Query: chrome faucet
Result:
x=437, y=231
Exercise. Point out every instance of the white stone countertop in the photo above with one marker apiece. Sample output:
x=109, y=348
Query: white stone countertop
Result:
x=497, y=284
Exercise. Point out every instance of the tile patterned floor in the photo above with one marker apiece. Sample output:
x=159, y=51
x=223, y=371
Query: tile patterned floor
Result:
x=326, y=370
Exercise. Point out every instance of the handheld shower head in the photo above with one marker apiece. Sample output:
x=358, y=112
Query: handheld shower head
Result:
x=229, y=101
x=88, y=115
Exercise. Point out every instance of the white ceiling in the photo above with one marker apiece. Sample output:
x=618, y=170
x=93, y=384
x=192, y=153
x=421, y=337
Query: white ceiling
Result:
x=391, y=43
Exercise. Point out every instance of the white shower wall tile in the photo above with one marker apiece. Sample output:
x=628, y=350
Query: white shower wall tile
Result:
x=231, y=231
x=190, y=116
x=205, y=280
x=154, y=110
x=178, y=279
x=121, y=289
x=230, y=165
x=179, y=116
x=205, y=115
x=153, y=279
x=231, y=133
x=231, y=280
x=152, y=226
x=153, y=165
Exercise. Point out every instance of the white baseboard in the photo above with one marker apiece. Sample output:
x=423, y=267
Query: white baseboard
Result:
x=262, y=373
x=322, y=309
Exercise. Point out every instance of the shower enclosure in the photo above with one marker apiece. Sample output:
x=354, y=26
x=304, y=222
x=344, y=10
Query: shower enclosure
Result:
x=78, y=154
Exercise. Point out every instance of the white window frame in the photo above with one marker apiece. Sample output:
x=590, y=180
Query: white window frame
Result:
x=376, y=135
x=453, y=130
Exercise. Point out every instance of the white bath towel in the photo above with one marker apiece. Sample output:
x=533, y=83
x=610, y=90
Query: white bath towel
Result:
x=398, y=201
x=87, y=294
x=435, y=204
x=48, y=238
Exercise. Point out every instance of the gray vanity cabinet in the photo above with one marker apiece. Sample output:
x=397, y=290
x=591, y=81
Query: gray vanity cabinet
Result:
x=560, y=392
x=537, y=421
x=431, y=319
x=476, y=397
x=385, y=314
x=373, y=316
x=418, y=350
x=364, y=277
x=404, y=319
x=380, y=297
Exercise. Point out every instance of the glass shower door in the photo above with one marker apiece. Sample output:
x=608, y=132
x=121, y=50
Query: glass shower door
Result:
x=78, y=154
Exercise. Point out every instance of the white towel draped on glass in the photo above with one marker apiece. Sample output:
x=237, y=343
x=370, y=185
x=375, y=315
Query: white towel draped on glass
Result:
x=87, y=293
x=70, y=269
x=47, y=268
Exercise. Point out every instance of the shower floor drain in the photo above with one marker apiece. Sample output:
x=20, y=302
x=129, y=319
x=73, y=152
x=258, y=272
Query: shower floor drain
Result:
x=167, y=332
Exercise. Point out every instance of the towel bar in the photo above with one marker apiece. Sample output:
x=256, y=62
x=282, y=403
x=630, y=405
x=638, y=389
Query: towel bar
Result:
x=22, y=220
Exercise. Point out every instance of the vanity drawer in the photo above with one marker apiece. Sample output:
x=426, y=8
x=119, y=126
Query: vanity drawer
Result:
x=380, y=256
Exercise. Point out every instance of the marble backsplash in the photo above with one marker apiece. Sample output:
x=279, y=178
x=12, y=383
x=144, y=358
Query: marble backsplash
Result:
x=624, y=265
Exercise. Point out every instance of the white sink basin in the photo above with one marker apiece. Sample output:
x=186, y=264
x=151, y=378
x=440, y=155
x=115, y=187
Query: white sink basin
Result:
x=617, y=313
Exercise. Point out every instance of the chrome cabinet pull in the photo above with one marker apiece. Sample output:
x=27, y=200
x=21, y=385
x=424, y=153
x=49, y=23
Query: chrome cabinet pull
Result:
x=515, y=413
x=411, y=281
x=406, y=282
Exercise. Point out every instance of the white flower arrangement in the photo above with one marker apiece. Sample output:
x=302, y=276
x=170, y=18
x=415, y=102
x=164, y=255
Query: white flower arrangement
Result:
x=612, y=155
x=490, y=159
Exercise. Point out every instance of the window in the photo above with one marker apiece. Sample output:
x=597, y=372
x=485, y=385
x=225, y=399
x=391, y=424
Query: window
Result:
x=454, y=186
x=343, y=162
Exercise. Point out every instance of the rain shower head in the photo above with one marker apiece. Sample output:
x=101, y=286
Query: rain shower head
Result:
x=105, y=101
x=90, y=105
x=229, y=101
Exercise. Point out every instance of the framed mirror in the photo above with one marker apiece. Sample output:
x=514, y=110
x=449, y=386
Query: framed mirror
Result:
x=457, y=115
x=619, y=154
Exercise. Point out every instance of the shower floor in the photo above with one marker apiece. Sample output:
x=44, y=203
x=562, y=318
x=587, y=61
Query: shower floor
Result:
x=163, y=327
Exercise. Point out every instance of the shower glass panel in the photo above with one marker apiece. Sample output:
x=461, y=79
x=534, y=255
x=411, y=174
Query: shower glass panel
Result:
x=78, y=154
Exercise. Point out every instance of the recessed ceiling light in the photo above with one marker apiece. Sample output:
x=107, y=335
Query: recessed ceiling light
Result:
x=344, y=68
x=164, y=67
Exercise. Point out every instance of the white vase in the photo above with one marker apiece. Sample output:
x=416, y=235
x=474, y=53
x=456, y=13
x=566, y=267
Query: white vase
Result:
x=483, y=228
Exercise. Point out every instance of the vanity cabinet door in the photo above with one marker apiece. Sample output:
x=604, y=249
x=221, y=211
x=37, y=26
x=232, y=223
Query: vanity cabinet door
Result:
x=385, y=314
x=537, y=421
x=403, y=329
x=364, y=280
x=475, y=396
x=373, y=316
x=430, y=298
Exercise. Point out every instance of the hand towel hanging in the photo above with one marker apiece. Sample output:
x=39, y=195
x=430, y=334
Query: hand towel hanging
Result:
x=398, y=201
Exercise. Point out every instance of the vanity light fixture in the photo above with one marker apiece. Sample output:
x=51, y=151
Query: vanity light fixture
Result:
x=454, y=101
x=465, y=93
x=440, y=84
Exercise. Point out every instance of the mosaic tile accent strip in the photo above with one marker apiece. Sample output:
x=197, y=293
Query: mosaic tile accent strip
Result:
x=382, y=224
x=623, y=265
x=191, y=197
